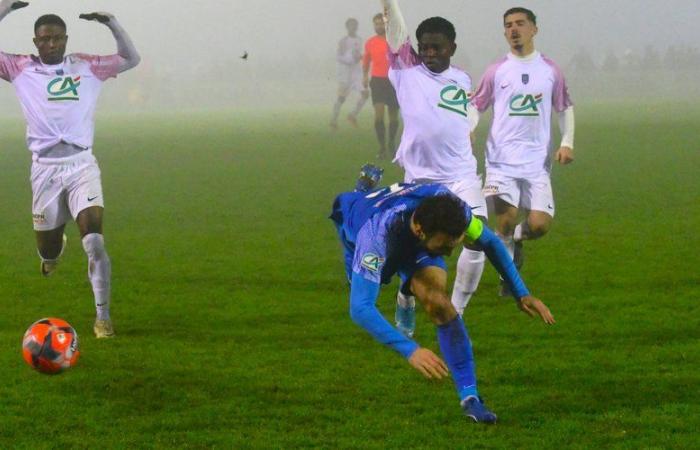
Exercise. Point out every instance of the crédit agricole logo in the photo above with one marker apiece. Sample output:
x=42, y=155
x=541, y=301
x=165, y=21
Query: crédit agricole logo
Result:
x=63, y=89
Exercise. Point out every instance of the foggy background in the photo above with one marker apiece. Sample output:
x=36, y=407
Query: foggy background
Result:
x=611, y=50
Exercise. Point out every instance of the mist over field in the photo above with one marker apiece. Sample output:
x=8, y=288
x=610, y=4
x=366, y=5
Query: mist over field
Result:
x=191, y=49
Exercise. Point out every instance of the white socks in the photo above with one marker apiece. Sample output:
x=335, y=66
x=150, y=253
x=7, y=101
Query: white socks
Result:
x=99, y=272
x=470, y=266
x=522, y=231
x=405, y=301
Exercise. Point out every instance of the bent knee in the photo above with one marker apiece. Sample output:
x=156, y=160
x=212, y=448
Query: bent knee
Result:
x=539, y=225
x=440, y=310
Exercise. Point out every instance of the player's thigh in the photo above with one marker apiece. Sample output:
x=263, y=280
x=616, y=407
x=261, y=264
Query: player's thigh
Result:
x=49, y=208
x=85, y=198
x=343, y=90
x=469, y=190
x=429, y=284
x=379, y=88
x=537, y=194
x=392, y=101
x=502, y=195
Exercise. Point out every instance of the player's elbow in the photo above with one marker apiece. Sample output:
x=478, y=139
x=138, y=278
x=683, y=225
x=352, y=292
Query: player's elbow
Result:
x=135, y=60
x=359, y=314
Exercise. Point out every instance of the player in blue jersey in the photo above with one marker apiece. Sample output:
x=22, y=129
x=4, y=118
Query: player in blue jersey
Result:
x=406, y=229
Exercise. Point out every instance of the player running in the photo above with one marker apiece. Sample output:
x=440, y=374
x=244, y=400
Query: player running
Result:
x=406, y=229
x=523, y=87
x=58, y=95
x=348, y=58
x=383, y=94
x=435, y=145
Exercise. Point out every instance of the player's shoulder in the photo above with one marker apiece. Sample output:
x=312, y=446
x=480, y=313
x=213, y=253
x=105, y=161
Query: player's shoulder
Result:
x=460, y=74
x=549, y=62
x=494, y=67
x=19, y=57
x=81, y=57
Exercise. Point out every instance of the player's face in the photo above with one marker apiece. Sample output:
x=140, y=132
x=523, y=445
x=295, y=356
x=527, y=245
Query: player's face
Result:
x=519, y=31
x=50, y=41
x=351, y=27
x=435, y=49
x=441, y=244
x=379, y=27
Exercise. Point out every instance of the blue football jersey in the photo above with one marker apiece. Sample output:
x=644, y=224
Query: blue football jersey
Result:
x=375, y=230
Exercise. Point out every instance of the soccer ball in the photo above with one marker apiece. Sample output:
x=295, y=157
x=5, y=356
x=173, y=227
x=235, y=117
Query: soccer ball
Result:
x=50, y=346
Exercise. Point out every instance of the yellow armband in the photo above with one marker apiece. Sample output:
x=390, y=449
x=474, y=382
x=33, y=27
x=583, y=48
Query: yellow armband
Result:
x=474, y=230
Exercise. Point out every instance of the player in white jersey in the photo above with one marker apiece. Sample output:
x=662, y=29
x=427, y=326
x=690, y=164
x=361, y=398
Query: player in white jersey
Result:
x=435, y=145
x=58, y=95
x=524, y=88
x=348, y=58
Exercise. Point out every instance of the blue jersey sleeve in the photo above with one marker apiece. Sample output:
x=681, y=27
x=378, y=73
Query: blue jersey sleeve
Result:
x=364, y=312
x=499, y=257
x=370, y=250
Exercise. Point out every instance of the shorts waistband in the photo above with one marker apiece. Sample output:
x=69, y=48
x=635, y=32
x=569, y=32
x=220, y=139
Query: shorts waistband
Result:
x=82, y=156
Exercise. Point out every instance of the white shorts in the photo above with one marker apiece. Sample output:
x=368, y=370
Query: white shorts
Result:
x=62, y=188
x=349, y=80
x=531, y=193
x=468, y=190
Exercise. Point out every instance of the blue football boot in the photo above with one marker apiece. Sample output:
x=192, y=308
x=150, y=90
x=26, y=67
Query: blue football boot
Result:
x=475, y=409
x=370, y=176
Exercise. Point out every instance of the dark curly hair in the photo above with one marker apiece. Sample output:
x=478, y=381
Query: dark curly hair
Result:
x=442, y=213
x=49, y=19
x=437, y=25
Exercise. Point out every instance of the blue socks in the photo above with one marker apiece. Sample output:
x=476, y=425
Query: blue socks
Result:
x=457, y=350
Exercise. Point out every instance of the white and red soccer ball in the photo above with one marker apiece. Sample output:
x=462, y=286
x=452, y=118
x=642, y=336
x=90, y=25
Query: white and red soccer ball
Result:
x=50, y=346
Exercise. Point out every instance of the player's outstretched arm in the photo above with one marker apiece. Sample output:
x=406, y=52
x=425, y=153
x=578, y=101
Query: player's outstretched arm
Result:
x=364, y=312
x=498, y=255
x=396, y=31
x=125, y=47
x=7, y=6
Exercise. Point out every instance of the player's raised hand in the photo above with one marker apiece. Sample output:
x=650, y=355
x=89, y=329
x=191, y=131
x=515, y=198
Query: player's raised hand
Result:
x=428, y=363
x=12, y=4
x=102, y=17
x=534, y=307
x=564, y=155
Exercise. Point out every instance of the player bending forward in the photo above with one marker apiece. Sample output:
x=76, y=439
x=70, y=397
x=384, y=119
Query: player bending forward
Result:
x=407, y=229
x=58, y=95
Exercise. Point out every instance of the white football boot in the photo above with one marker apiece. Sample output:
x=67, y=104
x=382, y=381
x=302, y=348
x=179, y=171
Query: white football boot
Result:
x=103, y=329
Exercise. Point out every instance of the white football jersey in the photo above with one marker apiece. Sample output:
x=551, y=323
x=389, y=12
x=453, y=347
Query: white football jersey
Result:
x=435, y=143
x=523, y=94
x=58, y=100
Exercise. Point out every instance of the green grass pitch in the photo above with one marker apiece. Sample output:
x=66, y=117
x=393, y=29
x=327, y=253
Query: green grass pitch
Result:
x=230, y=304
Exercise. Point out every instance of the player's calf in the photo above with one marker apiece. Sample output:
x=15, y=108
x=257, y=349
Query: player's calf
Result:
x=48, y=265
x=99, y=273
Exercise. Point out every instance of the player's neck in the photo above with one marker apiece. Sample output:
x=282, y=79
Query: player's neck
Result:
x=524, y=52
x=524, y=55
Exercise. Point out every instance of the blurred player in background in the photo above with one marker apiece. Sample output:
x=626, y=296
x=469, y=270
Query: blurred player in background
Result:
x=348, y=58
x=58, y=95
x=383, y=94
x=406, y=229
x=435, y=144
x=524, y=88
